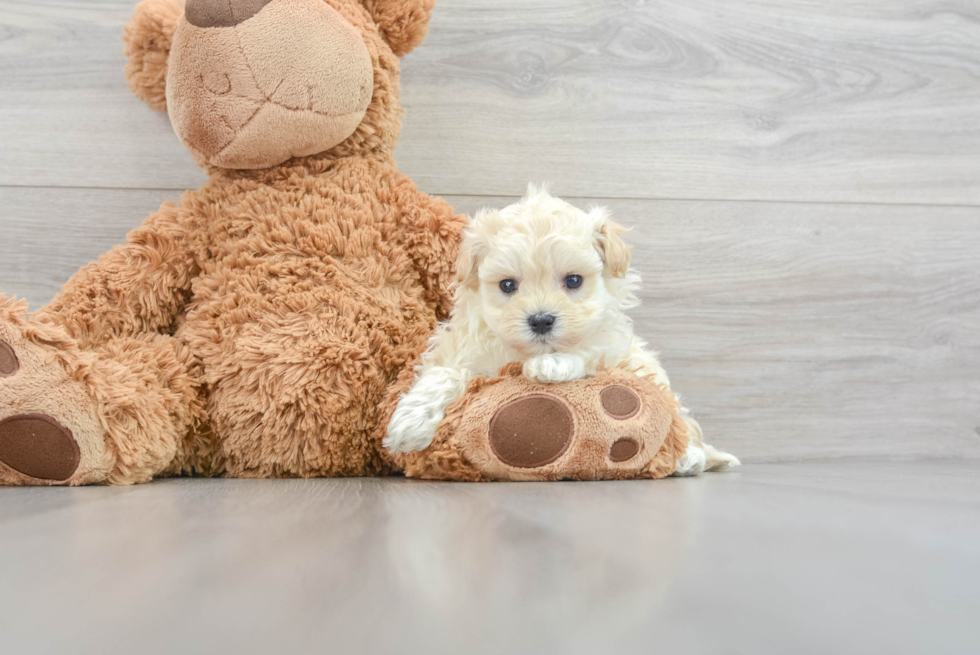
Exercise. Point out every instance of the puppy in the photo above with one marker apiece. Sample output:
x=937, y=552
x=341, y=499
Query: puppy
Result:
x=546, y=284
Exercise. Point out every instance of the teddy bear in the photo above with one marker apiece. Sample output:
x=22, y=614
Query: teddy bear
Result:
x=266, y=325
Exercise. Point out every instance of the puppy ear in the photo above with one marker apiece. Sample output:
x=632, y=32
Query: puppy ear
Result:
x=468, y=264
x=472, y=250
x=148, y=36
x=403, y=24
x=615, y=253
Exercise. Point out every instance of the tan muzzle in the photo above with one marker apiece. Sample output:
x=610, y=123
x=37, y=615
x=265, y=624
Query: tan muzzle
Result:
x=253, y=83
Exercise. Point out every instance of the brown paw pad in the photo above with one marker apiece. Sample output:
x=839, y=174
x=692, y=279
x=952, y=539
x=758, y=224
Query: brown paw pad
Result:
x=38, y=446
x=8, y=360
x=531, y=431
x=620, y=402
x=624, y=449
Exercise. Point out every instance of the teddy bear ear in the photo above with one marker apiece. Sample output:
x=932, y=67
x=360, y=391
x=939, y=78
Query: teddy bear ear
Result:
x=403, y=24
x=148, y=37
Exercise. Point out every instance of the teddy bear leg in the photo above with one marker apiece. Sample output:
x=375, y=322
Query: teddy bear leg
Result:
x=296, y=394
x=612, y=425
x=71, y=416
x=149, y=392
x=138, y=288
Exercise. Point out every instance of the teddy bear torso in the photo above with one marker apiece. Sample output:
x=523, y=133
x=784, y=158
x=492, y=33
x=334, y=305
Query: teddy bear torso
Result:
x=313, y=291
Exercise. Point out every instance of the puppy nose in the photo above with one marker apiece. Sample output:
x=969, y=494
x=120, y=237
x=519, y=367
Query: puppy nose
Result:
x=221, y=13
x=541, y=323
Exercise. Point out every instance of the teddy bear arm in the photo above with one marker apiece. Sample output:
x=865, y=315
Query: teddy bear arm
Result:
x=137, y=288
x=430, y=231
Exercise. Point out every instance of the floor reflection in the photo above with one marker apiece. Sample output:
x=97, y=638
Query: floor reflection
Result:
x=510, y=559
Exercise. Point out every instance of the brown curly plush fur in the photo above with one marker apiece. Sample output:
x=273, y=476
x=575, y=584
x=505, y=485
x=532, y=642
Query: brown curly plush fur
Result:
x=403, y=24
x=262, y=327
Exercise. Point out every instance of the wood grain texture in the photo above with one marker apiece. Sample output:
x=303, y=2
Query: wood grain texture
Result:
x=778, y=100
x=48, y=234
x=67, y=117
x=843, y=557
x=789, y=99
x=792, y=330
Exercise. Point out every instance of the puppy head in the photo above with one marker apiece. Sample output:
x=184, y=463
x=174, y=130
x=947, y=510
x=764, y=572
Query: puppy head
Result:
x=546, y=273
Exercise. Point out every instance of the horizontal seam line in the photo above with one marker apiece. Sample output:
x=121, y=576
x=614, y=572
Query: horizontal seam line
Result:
x=578, y=197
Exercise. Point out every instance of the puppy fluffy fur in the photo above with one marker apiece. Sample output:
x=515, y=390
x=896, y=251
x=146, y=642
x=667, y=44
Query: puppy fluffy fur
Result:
x=567, y=267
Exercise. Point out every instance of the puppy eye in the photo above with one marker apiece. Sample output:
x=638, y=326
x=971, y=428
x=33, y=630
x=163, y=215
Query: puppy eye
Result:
x=573, y=281
x=508, y=286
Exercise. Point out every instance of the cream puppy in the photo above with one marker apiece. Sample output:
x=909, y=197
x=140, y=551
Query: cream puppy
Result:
x=546, y=284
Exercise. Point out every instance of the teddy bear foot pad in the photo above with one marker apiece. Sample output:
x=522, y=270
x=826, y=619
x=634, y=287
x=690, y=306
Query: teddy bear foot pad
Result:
x=536, y=430
x=33, y=444
x=614, y=425
x=39, y=447
x=43, y=412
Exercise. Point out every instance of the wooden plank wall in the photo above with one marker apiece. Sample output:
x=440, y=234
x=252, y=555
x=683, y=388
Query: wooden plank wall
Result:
x=805, y=177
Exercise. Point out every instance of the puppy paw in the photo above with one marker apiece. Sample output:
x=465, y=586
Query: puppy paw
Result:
x=719, y=460
x=557, y=367
x=692, y=462
x=412, y=427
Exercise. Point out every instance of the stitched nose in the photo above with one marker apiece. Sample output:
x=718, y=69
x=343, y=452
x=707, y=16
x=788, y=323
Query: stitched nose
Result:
x=541, y=323
x=221, y=13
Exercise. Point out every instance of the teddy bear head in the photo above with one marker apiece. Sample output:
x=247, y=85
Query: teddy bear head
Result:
x=251, y=84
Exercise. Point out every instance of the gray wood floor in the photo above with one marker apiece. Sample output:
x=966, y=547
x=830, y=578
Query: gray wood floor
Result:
x=804, y=178
x=833, y=557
